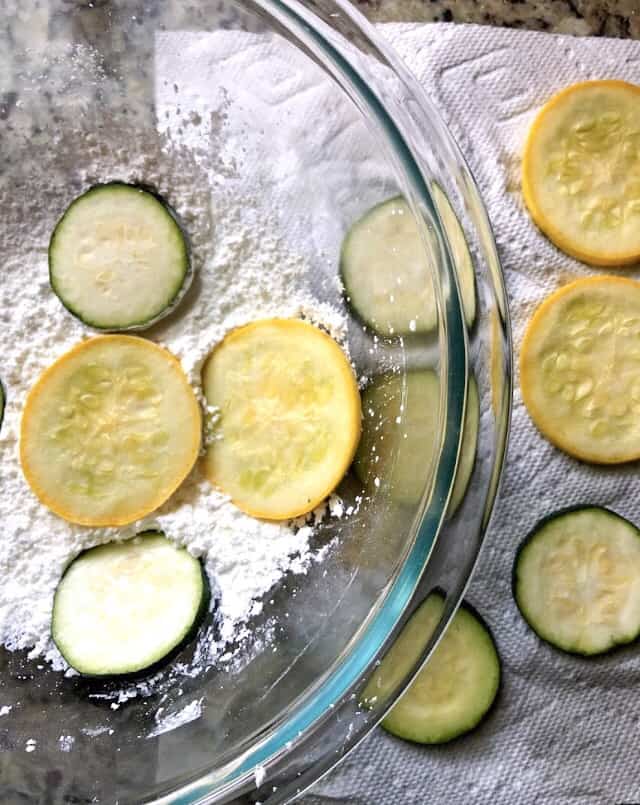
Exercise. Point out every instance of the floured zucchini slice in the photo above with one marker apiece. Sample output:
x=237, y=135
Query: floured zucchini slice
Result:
x=580, y=369
x=463, y=263
x=456, y=688
x=576, y=580
x=118, y=259
x=385, y=271
x=109, y=431
x=289, y=417
x=400, y=436
x=121, y=608
x=581, y=172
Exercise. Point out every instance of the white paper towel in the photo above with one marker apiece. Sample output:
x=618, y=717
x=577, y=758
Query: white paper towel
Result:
x=564, y=730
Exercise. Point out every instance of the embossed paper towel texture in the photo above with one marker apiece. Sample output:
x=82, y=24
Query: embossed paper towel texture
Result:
x=564, y=730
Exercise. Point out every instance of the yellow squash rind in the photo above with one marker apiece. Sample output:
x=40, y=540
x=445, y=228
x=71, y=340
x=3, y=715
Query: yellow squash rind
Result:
x=581, y=172
x=109, y=431
x=290, y=417
x=580, y=369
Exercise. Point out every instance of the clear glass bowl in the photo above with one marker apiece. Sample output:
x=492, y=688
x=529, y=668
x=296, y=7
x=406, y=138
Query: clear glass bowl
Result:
x=299, y=107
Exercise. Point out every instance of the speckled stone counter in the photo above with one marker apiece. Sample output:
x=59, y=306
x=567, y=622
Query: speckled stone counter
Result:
x=580, y=17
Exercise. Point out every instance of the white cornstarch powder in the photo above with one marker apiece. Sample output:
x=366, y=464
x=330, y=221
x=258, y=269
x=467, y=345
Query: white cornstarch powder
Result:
x=243, y=273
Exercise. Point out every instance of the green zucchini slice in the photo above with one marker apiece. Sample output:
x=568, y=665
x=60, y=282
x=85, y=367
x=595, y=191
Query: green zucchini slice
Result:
x=385, y=272
x=576, y=580
x=123, y=607
x=456, y=688
x=394, y=406
x=118, y=259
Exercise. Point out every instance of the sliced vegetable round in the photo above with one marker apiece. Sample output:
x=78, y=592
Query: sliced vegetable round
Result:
x=109, y=431
x=456, y=688
x=123, y=607
x=580, y=369
x=463, y=263
x=289, y=417
x=580, y=172
x=577, y=580
x=396, y=406
x=400, y=436
x=118, y=259
x=385, y=271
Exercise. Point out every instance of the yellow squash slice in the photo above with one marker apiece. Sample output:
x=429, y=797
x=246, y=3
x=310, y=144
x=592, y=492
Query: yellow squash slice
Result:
x=581, y=172
x=109, y=431
x=289, y=417
x=580, y=369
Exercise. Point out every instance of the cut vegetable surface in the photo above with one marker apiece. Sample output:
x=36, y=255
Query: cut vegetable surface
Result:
x=462, y=261
x=577, y=580
x=580, y=369
x=121, y=608
x=289, y=417
x=395, y=406
x=456, y=688
x=118, y=258
x=581, y=172
x=109, y=431
x=385, y=271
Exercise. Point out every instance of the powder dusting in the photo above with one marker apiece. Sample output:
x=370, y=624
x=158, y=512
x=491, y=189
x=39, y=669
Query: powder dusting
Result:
x=244, y=272
x=168, y=721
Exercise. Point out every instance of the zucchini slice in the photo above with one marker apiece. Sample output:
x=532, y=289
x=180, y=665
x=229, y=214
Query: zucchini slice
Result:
x=289, y=417
x=576, y=580
x=109, y=431
x=118, y=259
x=394, y=406
x=385, y=272
x=463, y=263
x=580, y=369
x=123, y=607
x=456, y=688
x=580, y=172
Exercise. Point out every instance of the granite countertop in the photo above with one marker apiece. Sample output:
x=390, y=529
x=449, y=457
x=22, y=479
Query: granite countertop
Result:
x=580, y=17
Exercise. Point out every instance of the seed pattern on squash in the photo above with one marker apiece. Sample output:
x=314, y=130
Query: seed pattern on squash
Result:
x=289, y=417
x=109, y=431
x=581, y=171
x=580, y=369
